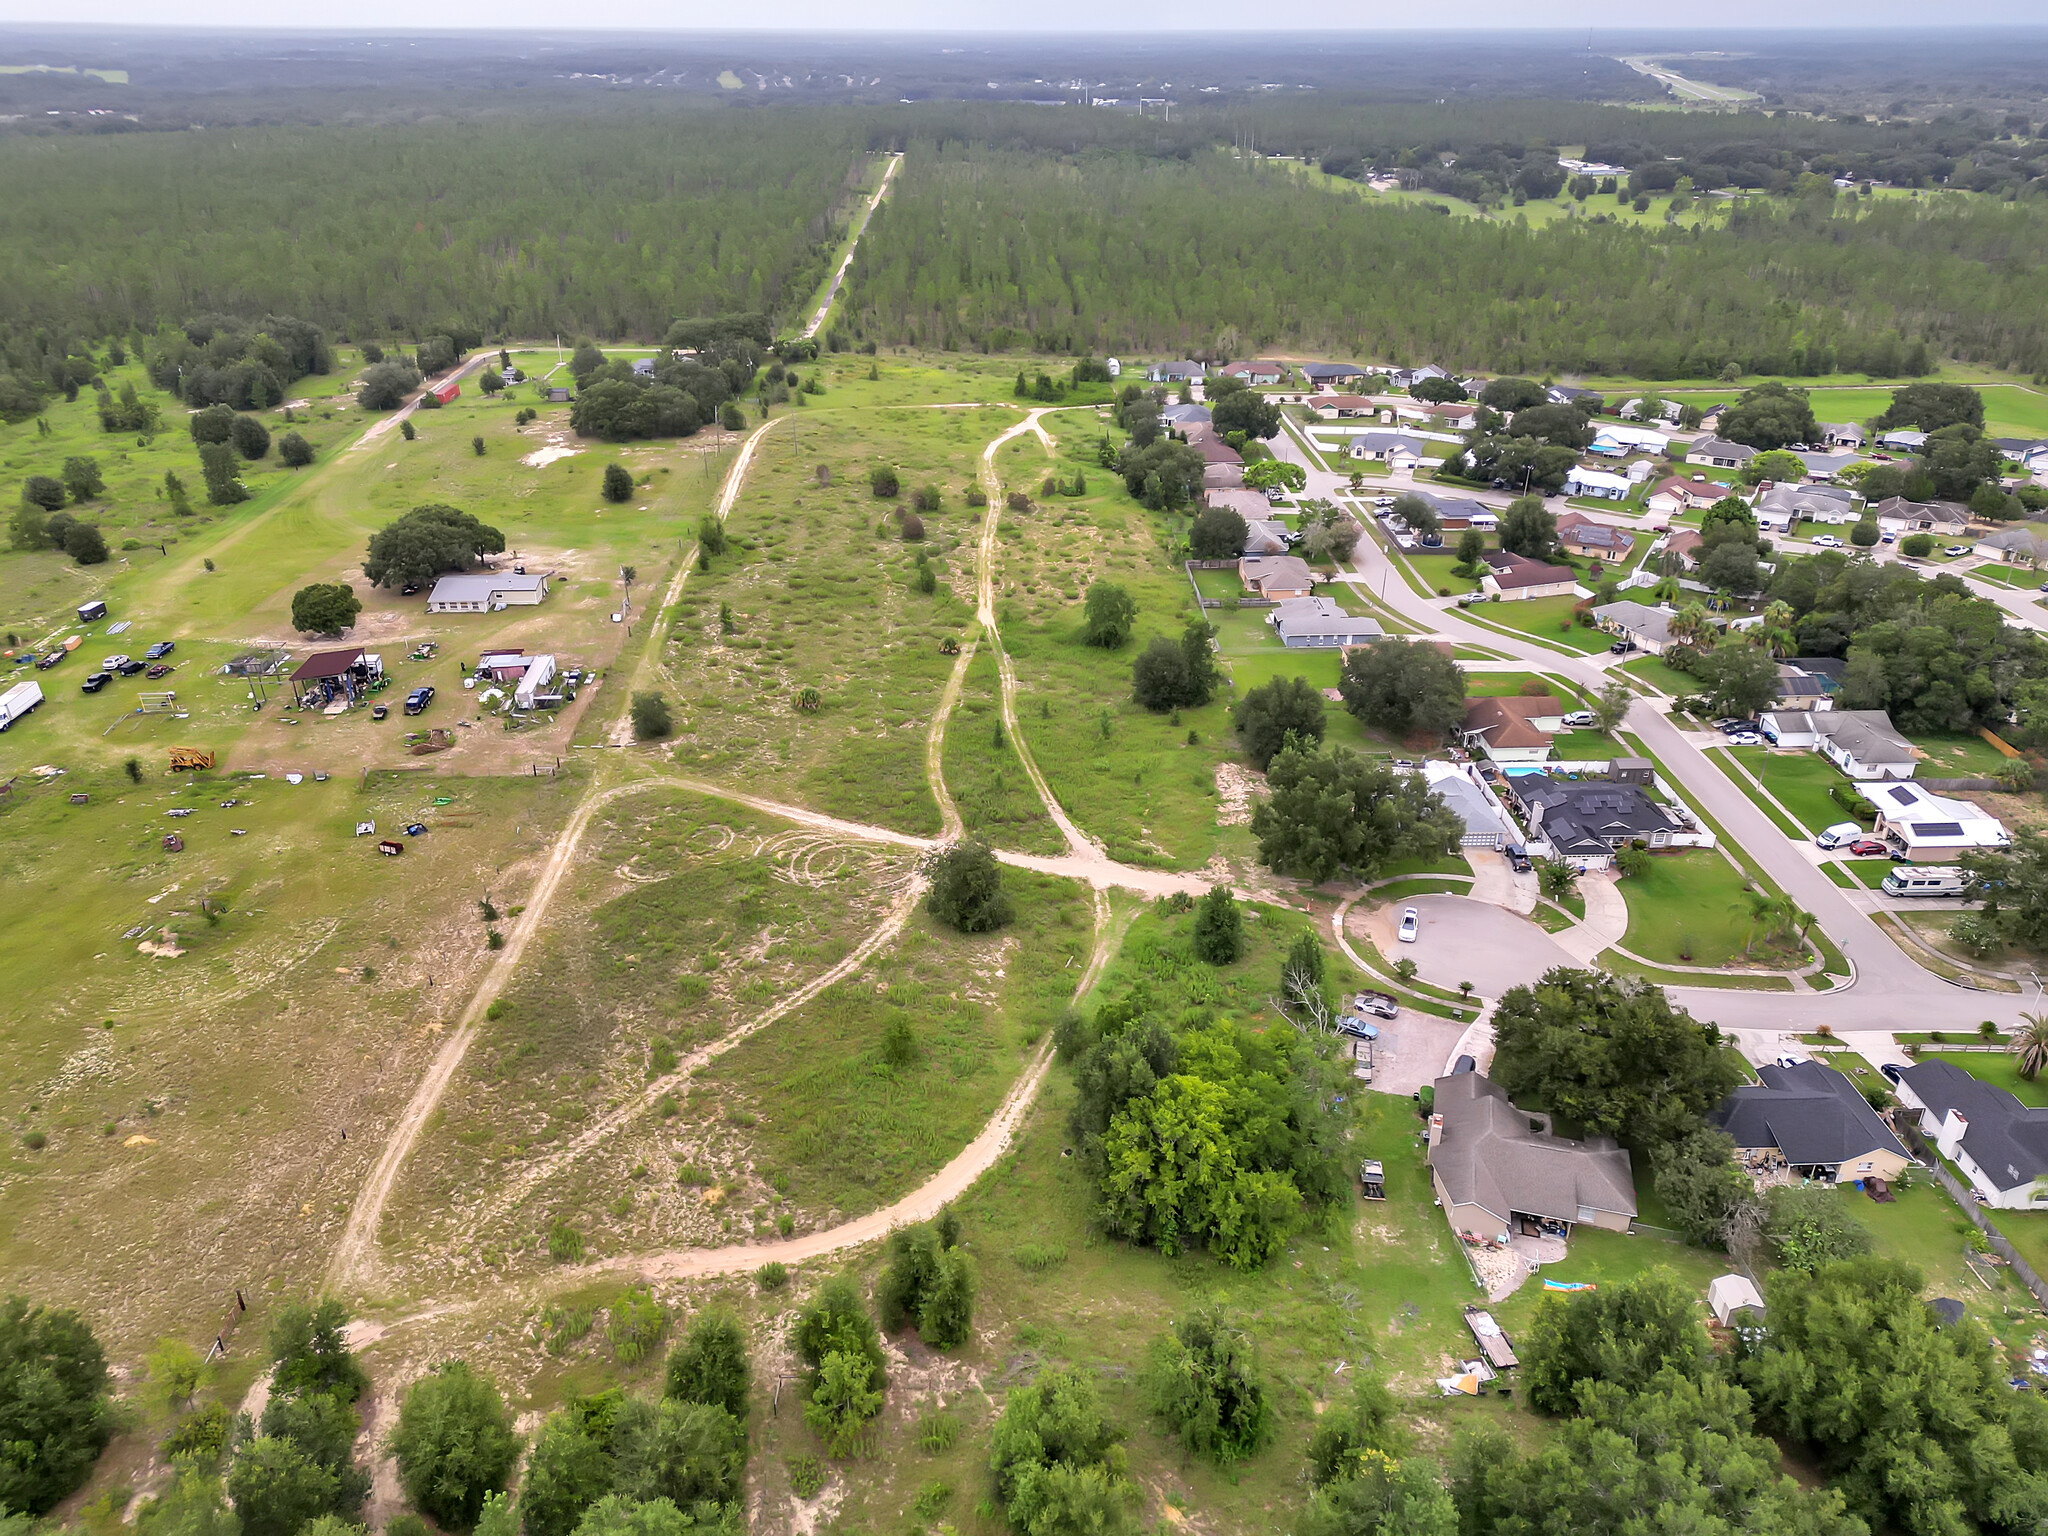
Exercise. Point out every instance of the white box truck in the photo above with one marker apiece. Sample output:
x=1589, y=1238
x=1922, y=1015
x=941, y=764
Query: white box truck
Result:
x=18, y=701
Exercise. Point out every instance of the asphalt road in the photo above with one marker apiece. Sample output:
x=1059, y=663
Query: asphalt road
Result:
x=1890, y=993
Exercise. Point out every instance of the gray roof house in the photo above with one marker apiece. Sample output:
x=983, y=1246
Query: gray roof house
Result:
x=1468, y=802
x=1812, y=1119
x=1841, y=434
x=1782, y=505
x=1307, y=623
x=1388, y=447
x=1586, y=820
x=1181, y=417
x=1649, y=627
x=1895, y=514
x=1174, y=373
x=486, y=591
x=1863, y=743
x=1332, y=373
x=2000, y=1144
x=1252, y=506
x=1263, y=536
x=2024, y=545
x=1500, y=1171
x=1719, y=453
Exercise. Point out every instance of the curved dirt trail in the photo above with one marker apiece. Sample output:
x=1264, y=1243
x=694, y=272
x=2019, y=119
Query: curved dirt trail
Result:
x=921, y=1204
x=353, y=1251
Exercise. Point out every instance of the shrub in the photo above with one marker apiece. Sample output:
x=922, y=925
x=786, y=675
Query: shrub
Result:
x=325, y=608
x=618, y=482
x=1058, y=1461
x=294, y=451
x=1219, y=927
x=710, y=535
x=710, y=1365
x=1204, y=1382
x=967, y=887
x=927, y=498
x=928, y=1284
x=565, y=1243
x=54, y=1413
x=976, y=496
x=651, y=719
x=1108, y=616
x=806, y=1476
x=636, y=1325
x=882, y=482
x=454, y=1444
x=250, y=437
x=839, y=1345
x=772, y=1276
x=910, y=528
x=385, y=386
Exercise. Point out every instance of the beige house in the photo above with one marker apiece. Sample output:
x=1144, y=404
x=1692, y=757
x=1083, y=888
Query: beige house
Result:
x=1812, y=1120
x=1277, y=577
x=1513, y=578
x=1501, y=1172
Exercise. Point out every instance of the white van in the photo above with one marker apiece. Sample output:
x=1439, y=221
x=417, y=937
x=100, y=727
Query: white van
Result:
x=1925, y=880
x=1841, y=832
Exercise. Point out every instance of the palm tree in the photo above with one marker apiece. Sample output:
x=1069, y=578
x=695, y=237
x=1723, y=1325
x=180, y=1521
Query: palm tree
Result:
x=1773, y=914
x=1689, y=623
x=2030, y=1044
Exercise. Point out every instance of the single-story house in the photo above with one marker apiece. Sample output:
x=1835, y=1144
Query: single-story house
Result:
x=1396, y=450
x=487, y=592
x=1457, y=513
x=1586, y=820
x=1825, y=466
x=1512, y=728
x=1718, y=453
x=2000, y=1144
x=558, y=394
x=643, y=367
x=539, y=673
x=1332, y=375
x=1674, y=495
x=1222, y=476
x=1931, y=828
x=1841, y=434
x=1908, y=441
x=1263, y=536
x=1256, y=373
x=2026, y=545
x=1667, y=410
x=1943, y=519
x=1649, y=627
x=1566, y=394
x=1582, y=535
x=1500, y=1171
x=1484, y=825
x=1684, y=541
x=1452, y=415
x=1276, y=577
x=1181, y=417
x=1615, y=442
x=1730, y=1295
x=1799, y=689
x=1216, y=451
x=1863, y=743
x=1252, y=506
x=1813, y=1120
x=1598, y=483
x=1784, y=505
x=1513, y=578
x=1408, y=378
x=1344, y=407
x=1317, y=623
x=1182, y=372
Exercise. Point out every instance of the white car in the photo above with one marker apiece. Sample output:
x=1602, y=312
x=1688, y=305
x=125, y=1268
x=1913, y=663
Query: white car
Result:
x=1826, y=541
x=1383, y=501
x=1841, y=832
x=1410, y=922
x=1579, y=718
x=1957, y=549
x=1745, y=739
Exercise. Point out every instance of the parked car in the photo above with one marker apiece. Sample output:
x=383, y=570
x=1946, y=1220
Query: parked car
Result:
x=1826, y=541
x=411, y=588
x=1411, y=923
x=1887, y=538
x=1957, y=549
x=1464, y=1064
x=114, y=664
x=1870, y=848
x=418, y=700
x=1746, y=739
x=1621, y=647
x=1383, y=501
x=1578, y=718
x=1378, y=1004
x=1841, y=832
x=1518, y=859
x=95, y=681
x=1891, y=1072
x=161, y=669
x=160, y=650
x=1737, y=727
x=379, y=711
x=130, y=666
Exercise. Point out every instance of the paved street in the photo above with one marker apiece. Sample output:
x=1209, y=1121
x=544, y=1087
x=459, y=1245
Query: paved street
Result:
x=1890, y=993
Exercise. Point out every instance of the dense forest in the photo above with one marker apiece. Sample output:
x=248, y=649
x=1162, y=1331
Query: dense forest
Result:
x=616, y=226
x=1124, y=253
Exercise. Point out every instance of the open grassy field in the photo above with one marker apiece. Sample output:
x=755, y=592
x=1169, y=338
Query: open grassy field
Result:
x=1799, y=781
x=1688, y=909
x=1542, y=618
x=987, y=780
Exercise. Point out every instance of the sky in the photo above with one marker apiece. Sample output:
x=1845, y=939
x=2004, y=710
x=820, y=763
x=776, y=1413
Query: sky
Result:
x=1056, y=16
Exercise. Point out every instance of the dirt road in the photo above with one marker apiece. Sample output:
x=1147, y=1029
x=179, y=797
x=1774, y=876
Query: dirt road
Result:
x=846, y=264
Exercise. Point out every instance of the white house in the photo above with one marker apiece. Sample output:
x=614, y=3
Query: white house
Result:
x=1911, y=442
x=1931, y=828
x=1597, y=483
x=1396, y=450
x=1649, y=628
x=2000, y=1144
x=1943, y=519
x=540, y=671
x=487, y=592
x=1719, y=453
x=1861, y=742
x=1784, y=505
x=1614, y=441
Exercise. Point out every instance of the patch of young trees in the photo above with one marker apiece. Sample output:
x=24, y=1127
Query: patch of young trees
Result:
x=245, y=365
x=55, y=1413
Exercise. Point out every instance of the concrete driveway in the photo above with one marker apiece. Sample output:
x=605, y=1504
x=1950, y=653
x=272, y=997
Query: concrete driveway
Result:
x=1460, y=940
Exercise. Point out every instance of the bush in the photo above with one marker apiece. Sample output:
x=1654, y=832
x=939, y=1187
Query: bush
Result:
x=839, y=1345
x=214, y=424
x=967, y=887
x=385, y=385
x=1809, y=1228
x=54, y=1413
x=1107, y=616
x=882, y=482
x=294, y=451
x=325, y=608
x=710, y=1365
x=1219, y=927
x=43, y=491
x=651, y=719
x=927, y=498
x=618, y=482
x=772, y=1276
x=710, y=535
x=910, y=528
x=277, y=1488
x=1204, y=1382
x=1918, y=545
x=1216, y=533
x=1058, y=1461
x=928, y=1284
x=84, y=543
x=1272, y=712
x=454, y=1445
x=250, y=437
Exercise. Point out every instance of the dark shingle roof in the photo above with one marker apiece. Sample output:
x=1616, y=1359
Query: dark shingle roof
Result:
x=1809, y=1112
x=2006, y=1139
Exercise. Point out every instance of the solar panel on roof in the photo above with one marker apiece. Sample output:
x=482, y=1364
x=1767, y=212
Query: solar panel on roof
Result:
x=1904, y=796
x=1938, y=828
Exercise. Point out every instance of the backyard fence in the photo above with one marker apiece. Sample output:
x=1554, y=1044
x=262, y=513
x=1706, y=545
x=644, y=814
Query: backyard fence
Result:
x=1961, y=784
x=1962, y=1197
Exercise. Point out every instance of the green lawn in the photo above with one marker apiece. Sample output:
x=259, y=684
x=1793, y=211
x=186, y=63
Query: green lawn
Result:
x=2022, y=578
x=1995, y=1068
x=1800, y=781
x=1958, y=756
x=1777, y=818
x=1688, y=909
x=1660, y=675
x=1867, y=871
x=1543, y=618
x=1434, y=567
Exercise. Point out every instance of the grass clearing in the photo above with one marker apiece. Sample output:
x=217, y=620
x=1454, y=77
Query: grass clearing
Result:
x=1800, y=781
x=1544, y=619
x=988, y=783
x=1958, y=755
x=1688, y=909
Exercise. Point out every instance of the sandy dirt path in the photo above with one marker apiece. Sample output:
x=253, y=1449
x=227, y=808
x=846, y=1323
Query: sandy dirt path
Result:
x=846, y=264
x=385, y=425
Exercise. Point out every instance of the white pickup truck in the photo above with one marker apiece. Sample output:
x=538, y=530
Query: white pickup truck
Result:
x=18, y=701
